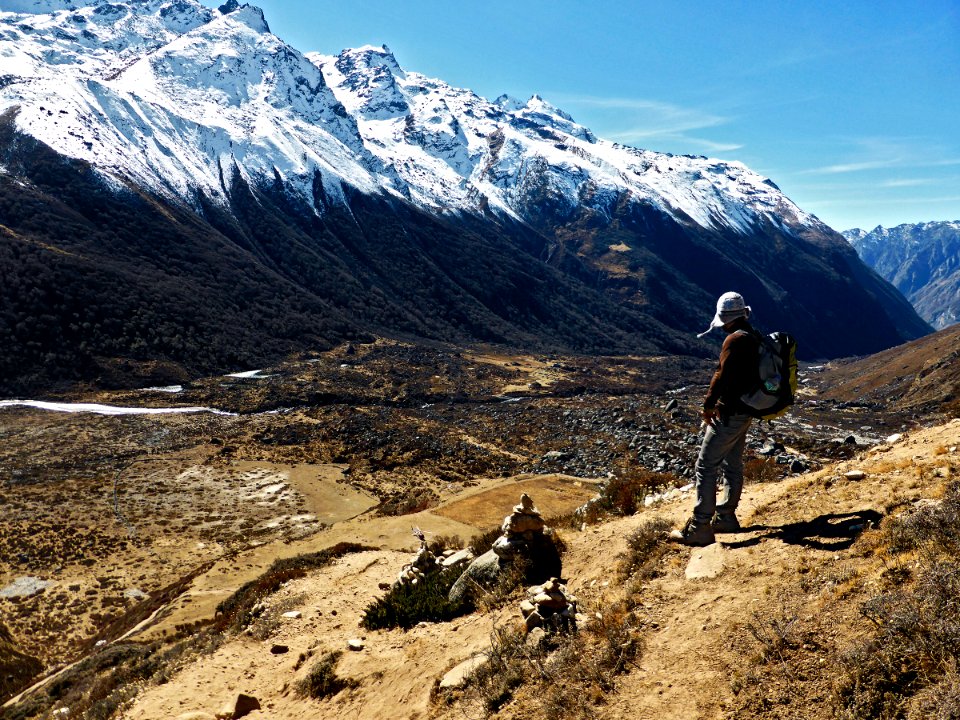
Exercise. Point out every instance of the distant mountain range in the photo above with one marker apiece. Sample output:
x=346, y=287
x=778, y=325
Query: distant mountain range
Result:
x=182, y=191
x=922, y=260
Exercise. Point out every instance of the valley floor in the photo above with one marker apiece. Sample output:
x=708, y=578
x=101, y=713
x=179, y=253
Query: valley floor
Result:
x=138, y=528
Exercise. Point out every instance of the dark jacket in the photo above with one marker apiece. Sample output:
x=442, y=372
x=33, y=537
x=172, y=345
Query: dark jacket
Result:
x=737, y=371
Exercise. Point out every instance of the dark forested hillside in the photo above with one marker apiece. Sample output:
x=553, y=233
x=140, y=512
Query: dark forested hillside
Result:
x=110, y=284
x=89, y=274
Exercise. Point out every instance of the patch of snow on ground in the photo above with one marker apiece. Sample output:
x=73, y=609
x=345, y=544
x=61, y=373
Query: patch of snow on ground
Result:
x=25, y=587
x=106, y=409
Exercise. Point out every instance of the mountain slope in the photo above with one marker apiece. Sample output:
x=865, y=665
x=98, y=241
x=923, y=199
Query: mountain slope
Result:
x=349, y=196
x=921, y=376
x=921, y=260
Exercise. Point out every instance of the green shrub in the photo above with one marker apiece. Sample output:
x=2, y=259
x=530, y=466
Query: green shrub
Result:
x=406, y=605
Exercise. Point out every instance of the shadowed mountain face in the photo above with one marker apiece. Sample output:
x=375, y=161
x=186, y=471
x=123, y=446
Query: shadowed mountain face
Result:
x=921, y=260
x=91, y=273
x=148, y=229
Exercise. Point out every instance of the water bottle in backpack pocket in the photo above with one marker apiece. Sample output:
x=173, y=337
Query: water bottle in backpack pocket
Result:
x=777, y=370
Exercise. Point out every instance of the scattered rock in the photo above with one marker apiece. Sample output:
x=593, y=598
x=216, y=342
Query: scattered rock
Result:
x=459, y=557
x=537, y=635
x=279, y=649
x=855, y=475
x=355, y=644
x=25, y=587
x=705, y=563
x=771, y=447
x=458, y=675
x=237, y=708
x=196, y=715
x=293, y=615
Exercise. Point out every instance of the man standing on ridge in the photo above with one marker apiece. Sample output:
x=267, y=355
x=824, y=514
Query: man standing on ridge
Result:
x=726, y=421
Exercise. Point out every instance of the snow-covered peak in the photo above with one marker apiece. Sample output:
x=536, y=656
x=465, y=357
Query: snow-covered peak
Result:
x=510, y=103
x=249, y=15
x=182, y=98
x=369, y=57
x=540, y=112
x=42, y=7
x=537, y=105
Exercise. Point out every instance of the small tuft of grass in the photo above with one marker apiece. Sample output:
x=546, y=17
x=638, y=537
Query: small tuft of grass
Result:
x=322, y=681
x=646, y=546
x=761, y=470
x=624, y=493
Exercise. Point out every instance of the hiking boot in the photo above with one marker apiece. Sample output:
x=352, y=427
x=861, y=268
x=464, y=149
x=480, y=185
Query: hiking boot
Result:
x=726, y=523
x=694, y=534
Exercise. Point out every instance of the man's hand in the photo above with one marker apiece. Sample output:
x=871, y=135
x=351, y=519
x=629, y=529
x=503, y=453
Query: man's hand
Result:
x=709, y=415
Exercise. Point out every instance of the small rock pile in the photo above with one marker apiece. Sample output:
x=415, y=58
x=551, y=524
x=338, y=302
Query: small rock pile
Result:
x=426, y=563
x=548, y=606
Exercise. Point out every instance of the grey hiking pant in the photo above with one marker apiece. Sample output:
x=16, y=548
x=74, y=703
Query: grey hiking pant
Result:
x=720, y=451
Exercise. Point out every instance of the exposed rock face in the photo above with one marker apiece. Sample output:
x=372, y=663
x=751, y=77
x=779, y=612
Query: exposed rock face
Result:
x=921, y=260
x=482, y=572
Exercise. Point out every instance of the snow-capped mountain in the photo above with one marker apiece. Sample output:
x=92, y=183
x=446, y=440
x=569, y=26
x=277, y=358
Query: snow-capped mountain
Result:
x=177, y=96
x=381, y=199
x=922, y=260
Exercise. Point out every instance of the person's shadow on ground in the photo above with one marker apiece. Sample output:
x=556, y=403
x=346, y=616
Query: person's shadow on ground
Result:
x=833, y=531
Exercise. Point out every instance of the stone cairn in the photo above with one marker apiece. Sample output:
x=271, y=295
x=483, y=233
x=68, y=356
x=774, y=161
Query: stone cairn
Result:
x=548, y=606
x=425, y=563
x=526, y=539
x=521, y=529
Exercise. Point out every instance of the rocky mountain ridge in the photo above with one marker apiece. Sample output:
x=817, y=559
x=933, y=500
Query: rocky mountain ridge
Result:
x=922, y=260
x=180, y=96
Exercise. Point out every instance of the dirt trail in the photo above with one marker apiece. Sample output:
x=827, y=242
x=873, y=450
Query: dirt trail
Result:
x=792, y=527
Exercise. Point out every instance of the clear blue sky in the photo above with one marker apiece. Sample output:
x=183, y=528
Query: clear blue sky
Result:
x=852, y=108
